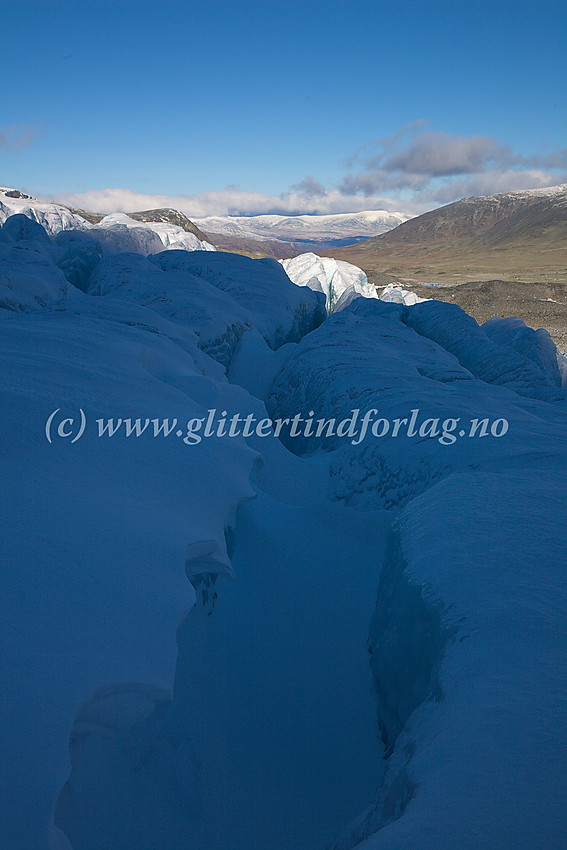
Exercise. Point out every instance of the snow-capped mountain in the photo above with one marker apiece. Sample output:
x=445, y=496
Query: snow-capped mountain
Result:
x=519, y=232
x=272, y=234
x=500, y=254
x=488, y=219
x=169, y=216
x=302, y=230
x=273, y=578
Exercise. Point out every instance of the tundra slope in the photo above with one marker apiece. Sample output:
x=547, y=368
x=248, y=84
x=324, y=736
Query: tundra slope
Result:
x=488, y=232
x=497, y=255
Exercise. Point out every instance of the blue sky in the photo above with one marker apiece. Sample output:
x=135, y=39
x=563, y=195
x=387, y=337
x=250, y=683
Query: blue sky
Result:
x=290, y=107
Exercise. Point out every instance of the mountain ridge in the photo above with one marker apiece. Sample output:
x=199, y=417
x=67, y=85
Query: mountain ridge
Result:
x=522, y=235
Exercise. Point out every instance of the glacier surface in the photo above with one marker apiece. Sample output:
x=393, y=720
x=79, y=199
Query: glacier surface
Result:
x=253, y=643
x=116, y=233
x=339, y=281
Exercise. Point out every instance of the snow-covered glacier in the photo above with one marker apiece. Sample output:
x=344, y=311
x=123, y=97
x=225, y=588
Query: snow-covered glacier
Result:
x=466, y=638
x=349, y=636
x=396, y=293
x=341, y=282
x=338, y=280
x=116, y=233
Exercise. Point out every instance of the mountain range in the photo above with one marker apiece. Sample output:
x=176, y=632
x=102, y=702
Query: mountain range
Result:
x=286, y=236
x=478, y=253
x=514, y=235
x=262, y=235
x=503, y=254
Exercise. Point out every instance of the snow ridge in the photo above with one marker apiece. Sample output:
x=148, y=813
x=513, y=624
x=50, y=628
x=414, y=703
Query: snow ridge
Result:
x=116, y=233
x=300, y=228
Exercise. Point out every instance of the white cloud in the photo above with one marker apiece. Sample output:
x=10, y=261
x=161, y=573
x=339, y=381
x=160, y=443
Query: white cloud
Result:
x=310, y=187
x=437, y=167
x=234, y=201
x=441, y=154
x=491, y=183
x=410, y=172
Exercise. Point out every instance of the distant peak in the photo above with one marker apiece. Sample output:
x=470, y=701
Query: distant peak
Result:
x=170, y=216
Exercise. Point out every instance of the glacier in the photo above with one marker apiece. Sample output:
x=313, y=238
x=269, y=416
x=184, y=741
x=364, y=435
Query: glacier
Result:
x=396, y=293
x=341, y=282
x=116, y=233
x=337, y=280
x=256, y=643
